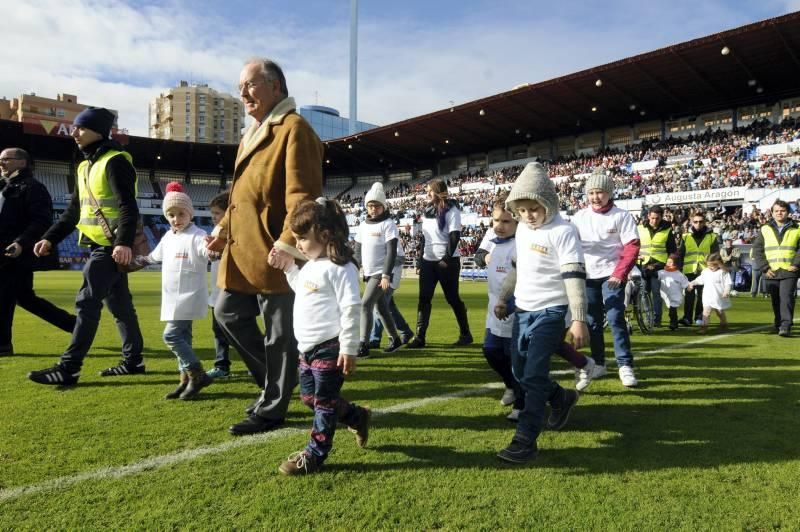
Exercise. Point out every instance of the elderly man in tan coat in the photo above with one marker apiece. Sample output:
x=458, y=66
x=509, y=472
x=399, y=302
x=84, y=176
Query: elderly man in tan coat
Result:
x=279, y=163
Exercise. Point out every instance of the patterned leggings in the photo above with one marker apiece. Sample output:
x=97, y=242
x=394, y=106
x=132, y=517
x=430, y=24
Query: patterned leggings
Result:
x=320, y=385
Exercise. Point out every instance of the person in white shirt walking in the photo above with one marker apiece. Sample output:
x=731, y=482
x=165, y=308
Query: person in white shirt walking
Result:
x=673, y=283
x=716, y=293
x=376, y=251
x=327, y=289
x=440, y=262
x=550, y=279
x=610, y=246
x=184, y=289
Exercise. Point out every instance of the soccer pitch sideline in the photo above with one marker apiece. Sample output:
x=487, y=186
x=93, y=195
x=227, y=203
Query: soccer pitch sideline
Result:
x=708, y=440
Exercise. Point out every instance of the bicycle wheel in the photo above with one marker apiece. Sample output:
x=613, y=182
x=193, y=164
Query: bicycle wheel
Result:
x=644, y=311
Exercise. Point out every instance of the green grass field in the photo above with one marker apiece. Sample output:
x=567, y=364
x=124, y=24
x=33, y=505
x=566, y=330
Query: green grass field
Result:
x=708, y=441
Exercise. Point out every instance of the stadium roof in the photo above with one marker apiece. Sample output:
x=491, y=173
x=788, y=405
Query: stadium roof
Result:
x=762, y=65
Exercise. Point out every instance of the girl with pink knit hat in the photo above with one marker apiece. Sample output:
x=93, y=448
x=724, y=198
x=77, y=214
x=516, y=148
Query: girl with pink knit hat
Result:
x=184, y=289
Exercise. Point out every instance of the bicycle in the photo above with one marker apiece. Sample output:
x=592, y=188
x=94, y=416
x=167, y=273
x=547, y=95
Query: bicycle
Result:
x=639, y=304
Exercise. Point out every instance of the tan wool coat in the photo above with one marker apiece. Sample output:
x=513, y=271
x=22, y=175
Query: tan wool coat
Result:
x=277, y=165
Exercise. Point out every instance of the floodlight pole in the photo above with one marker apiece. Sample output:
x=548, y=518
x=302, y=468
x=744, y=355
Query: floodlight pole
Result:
x=353, y=65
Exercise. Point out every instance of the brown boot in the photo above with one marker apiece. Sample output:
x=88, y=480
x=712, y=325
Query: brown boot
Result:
x=198, y=379
x=174, y=394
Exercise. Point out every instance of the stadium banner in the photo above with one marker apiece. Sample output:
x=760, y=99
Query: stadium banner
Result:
x=696, y=196
x=644, y=165
x=779, y=149
x=476, y=186
x=55, y=128
x=680, y=159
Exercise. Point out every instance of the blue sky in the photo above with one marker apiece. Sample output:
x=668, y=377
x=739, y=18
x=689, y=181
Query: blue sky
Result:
x=415, y=56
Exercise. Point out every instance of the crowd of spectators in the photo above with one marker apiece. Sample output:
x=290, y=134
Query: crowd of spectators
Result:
x=710, y=160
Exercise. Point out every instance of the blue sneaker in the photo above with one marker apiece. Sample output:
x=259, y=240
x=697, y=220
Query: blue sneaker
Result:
x=219, y=373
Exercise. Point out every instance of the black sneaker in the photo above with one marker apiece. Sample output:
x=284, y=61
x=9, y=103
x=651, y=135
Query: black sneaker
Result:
x=405, y=338
x=518, y=452
x=123, y=368
x=417, y=343
x=363, y=350
x=55, y=376
x=464, y=339
x=393, y=346
x=559, y=414
x=685, y=322
x=374, y=344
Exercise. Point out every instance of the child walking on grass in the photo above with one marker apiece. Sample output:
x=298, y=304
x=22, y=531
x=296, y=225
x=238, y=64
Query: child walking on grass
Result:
x=184, y=288
x=673, y=283
x=376, y=250
x=497, y=253
x=551, y=278
x=222, y=347
x=327, y=310
x=716, y=292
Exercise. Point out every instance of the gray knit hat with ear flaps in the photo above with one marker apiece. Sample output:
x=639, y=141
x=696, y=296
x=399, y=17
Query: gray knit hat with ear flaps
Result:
x=534, y=184
x=600, y=180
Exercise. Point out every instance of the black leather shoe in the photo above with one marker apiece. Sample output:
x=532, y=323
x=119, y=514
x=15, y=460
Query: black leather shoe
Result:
x=417, y=343
x=464, y=339
x=255, y=424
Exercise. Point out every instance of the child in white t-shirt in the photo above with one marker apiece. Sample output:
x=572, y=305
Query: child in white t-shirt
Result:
x=376, y=250
x=673, y=283
x=406, y=334
x=550, y=279
x=184, y=288
x=717, y=285
x=327, y=308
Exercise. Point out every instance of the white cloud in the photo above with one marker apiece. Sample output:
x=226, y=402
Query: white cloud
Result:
x=118, y=56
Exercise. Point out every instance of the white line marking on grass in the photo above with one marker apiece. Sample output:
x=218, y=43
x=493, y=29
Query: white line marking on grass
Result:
x=158, y=462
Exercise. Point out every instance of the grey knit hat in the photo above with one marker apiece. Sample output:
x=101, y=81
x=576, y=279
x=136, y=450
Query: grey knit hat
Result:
x=600, y=180
x=533, y=183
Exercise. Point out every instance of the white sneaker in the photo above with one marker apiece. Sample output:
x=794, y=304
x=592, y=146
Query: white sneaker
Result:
x=599, y=371
x=508, y=397
x=698, y=322
x=584, y=375
x=514, y=415
x=627, y=377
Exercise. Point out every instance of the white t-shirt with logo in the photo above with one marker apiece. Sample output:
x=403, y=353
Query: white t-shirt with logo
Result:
x=435, y=240
x=373, y=239
x=540, y=254
x=603, y=235
x=327, y=304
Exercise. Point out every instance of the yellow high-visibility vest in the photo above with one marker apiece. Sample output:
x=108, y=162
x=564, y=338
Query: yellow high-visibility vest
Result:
x=655, y=247
x=694, y=260
x=94, y=176
x=780, y=254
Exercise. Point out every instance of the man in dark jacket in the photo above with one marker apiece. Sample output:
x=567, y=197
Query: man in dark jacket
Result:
x=106, y=180
x=776, y=253
x=26, y=211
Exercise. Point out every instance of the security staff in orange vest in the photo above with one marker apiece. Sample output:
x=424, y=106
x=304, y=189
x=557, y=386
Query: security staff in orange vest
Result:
x=775, y=252
x=109, y=176
x=657, y=243
x=697, y=244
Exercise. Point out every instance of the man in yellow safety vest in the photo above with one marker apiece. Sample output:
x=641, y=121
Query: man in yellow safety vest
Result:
x=698, y=243
x=657, y=243
x=106, y=180
x=775, y=253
